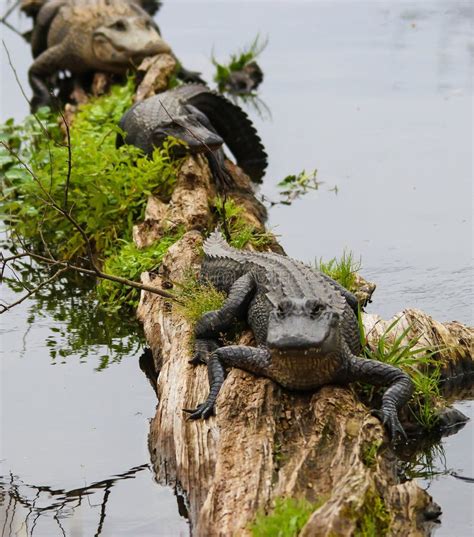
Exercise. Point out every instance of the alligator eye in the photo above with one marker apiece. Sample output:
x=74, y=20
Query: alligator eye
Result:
x=314, y=307
x=120, y=26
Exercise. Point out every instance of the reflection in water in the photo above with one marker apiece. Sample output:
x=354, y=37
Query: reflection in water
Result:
x=24, y=504
x=81, y=324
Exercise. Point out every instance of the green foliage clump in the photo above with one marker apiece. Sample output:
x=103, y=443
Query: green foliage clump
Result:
x=293, y=187
x=197, y=298
x=108, y=187
x=286, y=520
x=241, y=232
x=129, y=261
x=373, y=520
x=417, y=361
x=238, y=61
x=342, y=270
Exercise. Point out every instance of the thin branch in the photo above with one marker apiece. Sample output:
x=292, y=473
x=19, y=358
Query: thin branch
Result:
x=69, y=159
x=32, y=291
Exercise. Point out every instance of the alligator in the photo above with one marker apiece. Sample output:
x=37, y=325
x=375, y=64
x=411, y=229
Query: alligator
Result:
x=304, y=324
x=89, y=35
x=32, y=7
x=201, y=118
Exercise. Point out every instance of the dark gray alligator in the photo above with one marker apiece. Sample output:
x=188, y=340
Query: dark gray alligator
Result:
x=89, y=35
x=304, y=325
x=201, y=118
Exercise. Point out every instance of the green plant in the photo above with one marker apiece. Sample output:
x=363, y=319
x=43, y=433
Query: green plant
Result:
x=287, y=518
x=342, y=270
x=241, y=232
x=238, y=61
x=129, y=261
x=293, y=187
x=196, y=298
x=369, y=454
x=373, y=519
x=107, y=187
x=417, y=361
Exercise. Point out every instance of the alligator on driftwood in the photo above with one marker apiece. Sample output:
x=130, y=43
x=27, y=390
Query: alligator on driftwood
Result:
x=304, y=323
x=204, y=120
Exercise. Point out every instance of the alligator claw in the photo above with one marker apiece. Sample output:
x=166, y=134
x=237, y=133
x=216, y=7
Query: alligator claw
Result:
x=198, y=359
x=391, y=423
x=203, y=411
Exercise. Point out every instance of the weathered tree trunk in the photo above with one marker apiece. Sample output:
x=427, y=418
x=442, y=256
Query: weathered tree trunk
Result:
x=264, y=442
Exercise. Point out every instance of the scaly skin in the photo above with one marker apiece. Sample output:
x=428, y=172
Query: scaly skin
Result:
x=112, y=36
x=201, y=118
x=304, y=324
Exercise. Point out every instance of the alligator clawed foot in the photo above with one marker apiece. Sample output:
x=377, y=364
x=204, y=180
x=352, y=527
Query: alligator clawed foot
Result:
x=203, y=411
x=198, y=358
x=392, y=424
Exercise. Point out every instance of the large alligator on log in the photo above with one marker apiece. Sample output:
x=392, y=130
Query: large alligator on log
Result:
x=304, y=325
x=79, y=36
x=204, y=120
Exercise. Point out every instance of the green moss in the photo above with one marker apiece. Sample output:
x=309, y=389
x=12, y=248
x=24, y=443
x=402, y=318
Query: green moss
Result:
x=129, y=262
x=287, y=518
x=342, y=270
x=373, y=519
x=241, y=232
x=196, y=298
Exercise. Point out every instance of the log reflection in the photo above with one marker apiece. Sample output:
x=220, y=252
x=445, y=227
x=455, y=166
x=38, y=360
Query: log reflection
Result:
x=22, y=505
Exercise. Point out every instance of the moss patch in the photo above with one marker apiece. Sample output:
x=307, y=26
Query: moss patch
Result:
x=287, y=518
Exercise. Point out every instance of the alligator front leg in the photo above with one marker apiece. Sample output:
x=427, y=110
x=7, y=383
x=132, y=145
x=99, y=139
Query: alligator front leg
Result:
x=253, y=359
x=396, y=396
x=38, y=74
x=214, y=323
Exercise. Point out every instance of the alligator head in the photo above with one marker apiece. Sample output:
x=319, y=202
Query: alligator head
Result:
x=192, y=128
x=299, y=325
x=127, y=39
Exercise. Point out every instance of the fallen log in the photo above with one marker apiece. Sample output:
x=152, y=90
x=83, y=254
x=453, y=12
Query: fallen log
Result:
x=264, y=442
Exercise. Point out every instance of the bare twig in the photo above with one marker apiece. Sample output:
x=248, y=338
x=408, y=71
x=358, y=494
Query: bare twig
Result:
x=69, y=159
x=58, y=273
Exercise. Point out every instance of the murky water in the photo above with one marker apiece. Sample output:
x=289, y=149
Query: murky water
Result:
x=377, y=97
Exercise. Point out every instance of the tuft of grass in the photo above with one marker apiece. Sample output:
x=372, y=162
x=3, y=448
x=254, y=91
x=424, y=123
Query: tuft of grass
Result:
x=287, y=518
x=416, y=361
x=128, y=261
x=238, y=61
x=242, y=233
x=342, y=270
x=197, y=298
x=108, y=187
x=373, y=519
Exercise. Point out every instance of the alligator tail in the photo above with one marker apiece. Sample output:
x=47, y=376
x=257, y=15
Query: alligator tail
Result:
x=234, y=126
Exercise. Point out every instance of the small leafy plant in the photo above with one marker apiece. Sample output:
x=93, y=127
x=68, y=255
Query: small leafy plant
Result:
x=241, y=232
x=238, y=61
x=129, y=261
x=293, y=187
x=417, y=361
